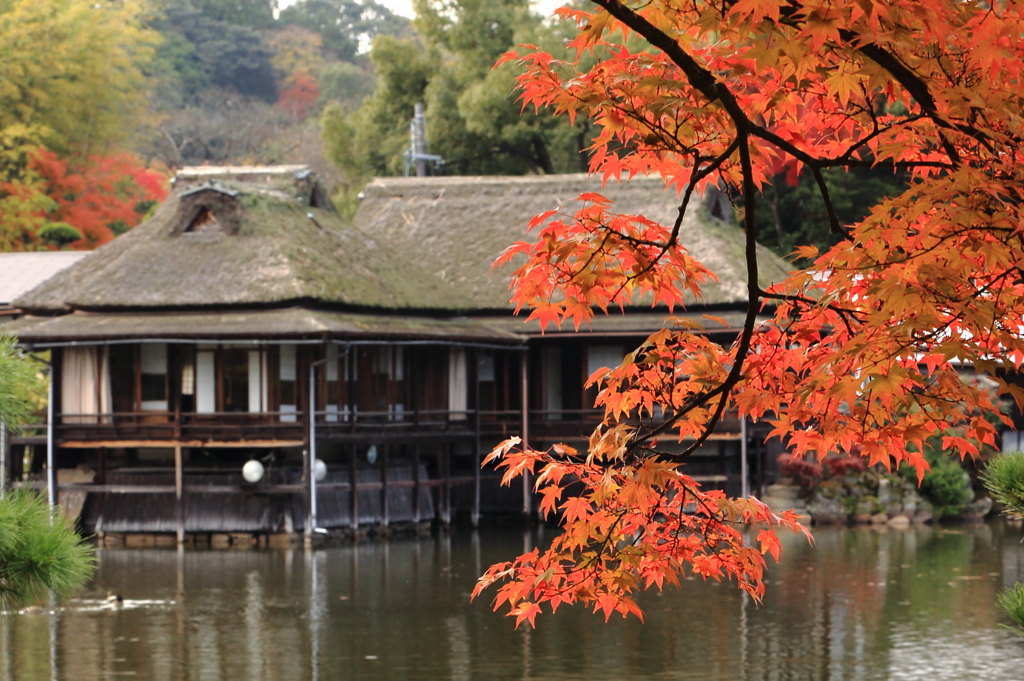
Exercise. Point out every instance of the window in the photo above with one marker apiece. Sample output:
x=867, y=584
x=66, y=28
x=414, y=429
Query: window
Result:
x=336, y=384
x=288, y=383
x=153, y=367
x=234, y=379
x=206, y=379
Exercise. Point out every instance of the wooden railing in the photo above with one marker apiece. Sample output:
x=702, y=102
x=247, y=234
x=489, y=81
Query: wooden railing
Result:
x=293, y=426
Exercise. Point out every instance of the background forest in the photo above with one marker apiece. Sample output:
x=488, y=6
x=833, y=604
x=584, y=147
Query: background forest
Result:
x=99, y=103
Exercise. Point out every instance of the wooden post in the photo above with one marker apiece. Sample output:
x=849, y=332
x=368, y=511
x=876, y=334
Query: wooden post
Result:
x=384, y=485
x=524, y=427
x=353, y=494
x=416, y=483
x=179, y=493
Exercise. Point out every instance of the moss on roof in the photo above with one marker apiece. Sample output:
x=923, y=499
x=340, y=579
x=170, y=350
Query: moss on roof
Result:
x=283, y=323
x=459, y=225
x=283, y=250
x=417, y=243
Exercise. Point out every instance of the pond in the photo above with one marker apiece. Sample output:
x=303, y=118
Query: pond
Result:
x=860, y=604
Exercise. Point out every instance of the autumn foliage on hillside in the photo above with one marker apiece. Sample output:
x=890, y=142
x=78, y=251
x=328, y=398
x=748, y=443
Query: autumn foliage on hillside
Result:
x=107, y=196
x=861, y=353
x=300, y=97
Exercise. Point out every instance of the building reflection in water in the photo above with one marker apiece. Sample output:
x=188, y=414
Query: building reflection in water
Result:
x=860, y=604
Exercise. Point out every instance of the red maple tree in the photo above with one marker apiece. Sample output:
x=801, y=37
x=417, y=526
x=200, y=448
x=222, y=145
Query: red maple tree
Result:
x=105, y=197
x=300, y=97
x=862, y=351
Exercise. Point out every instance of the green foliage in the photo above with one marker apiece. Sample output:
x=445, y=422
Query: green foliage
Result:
x=61, y=233
x=1004, y=479
x=200, y=50
x=947, y=486
x=1012, y=601
x=72, y=74
x=344, y=24
x=17, y=379
x=378, y=132
x=474, y=121
x=345, y=83
x=39, y=554
x=252, y=13
x=795, y=215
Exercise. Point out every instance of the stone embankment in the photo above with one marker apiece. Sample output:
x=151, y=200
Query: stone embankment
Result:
x=866, y=498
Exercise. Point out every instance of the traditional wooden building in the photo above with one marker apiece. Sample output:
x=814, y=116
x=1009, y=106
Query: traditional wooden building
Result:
x=247, y=321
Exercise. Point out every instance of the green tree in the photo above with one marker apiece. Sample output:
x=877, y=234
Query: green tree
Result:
x=792, y=213
x=71, y=77
x=1004, y=478
x=37, y=555
x=345, y=83
x=258, y=14
x=473, y=118
x=374, y=138
x=345, y=25
x=17, y=376
x=198, y=51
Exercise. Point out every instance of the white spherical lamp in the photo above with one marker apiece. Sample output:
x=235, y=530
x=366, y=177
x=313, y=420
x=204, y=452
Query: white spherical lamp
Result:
x=319, y=470
x=252, y=471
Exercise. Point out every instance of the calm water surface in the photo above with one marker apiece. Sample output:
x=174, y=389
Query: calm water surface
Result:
x=860, y=604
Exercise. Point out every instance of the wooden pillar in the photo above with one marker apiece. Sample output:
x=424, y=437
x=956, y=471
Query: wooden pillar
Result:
x=524, y=426
x=384, y=520
x=416, y=483
x=353, y=494
x=179, y=493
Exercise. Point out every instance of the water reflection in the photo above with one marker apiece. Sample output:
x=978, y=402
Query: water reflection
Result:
x=860, y=604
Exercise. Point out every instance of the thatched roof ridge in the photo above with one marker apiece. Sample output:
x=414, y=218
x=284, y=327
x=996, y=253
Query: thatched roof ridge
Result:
x=459, y=225
x=280, y=324
x=279, y=248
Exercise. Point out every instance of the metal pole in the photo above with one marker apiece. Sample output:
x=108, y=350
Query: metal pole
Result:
x=179, y=494
x=3, y=458
x=524, y=427
x=353, y=499
x=744, y=466
x=476, y=446
x=311, y=523
x=51, y=474
x=384, y=519
x=419, y=135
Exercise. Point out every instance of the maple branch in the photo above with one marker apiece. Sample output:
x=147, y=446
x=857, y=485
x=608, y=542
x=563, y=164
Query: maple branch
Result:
x=700, y=78
x=833, y=219
x=750, y=320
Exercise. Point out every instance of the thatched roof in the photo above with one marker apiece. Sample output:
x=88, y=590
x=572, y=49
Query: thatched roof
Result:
x=240, y=252
x=279, y=324
x=244, y=239
x=459, y=225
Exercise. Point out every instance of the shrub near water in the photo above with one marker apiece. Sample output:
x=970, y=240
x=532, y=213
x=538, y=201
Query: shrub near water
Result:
x=38, y=555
